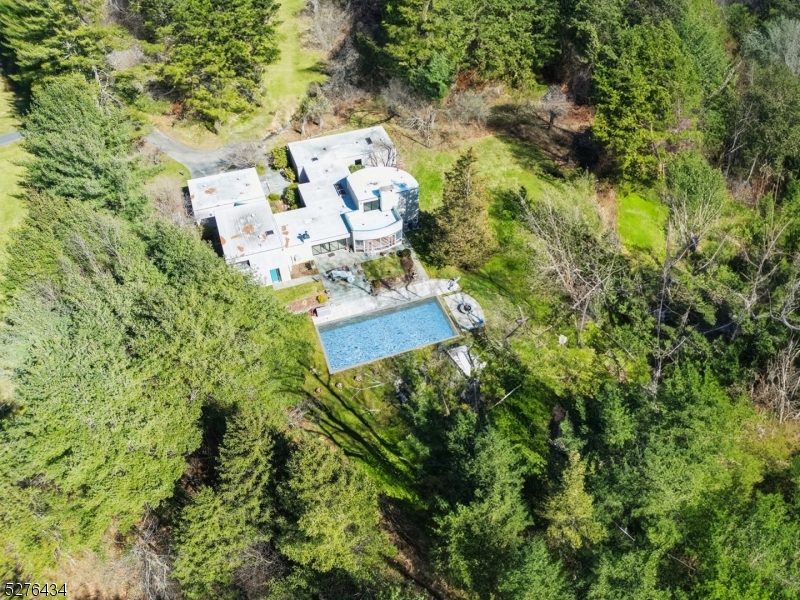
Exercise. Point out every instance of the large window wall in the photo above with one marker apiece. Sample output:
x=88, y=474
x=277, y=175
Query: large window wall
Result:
x=329, y=247
x=381, y=243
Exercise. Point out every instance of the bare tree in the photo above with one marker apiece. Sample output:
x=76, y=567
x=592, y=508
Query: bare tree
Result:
x=779, y=386
x=331, y=22
x=552, y=105
x=575, y=250
x=382, y=154
x=400, y=99
x=261, y=564
x=343, y=73
x=468, y=107
x=150, y=559
x=763, y=259
x=242, y=156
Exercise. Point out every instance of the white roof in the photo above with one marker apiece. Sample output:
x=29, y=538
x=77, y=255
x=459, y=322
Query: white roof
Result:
x=321, y=222
x=373, y=219
x=247, y=229
x=224, y=188
x=338, y=148
x=367, y=183
x=318, y=193
x=326, y=171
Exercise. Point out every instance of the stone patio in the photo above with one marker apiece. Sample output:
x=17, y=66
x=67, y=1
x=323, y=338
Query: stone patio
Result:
x=417, y=290
x=472, y=320
x=342, y=292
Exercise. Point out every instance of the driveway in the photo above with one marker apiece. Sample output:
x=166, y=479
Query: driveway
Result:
x=199, y=162
x=10, y=138
x=208, y=162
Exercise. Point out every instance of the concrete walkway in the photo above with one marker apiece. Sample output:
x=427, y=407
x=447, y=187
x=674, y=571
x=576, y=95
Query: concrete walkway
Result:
x=414, y=291
x=10, y=138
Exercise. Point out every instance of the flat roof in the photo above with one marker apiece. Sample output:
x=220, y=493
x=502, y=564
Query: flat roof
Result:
x=373, y=219
x=324, y=193
x=321, y=222
x=367, y=183
x=247, y=229
x=326, y=171
x=225, y=188
x=338, y=147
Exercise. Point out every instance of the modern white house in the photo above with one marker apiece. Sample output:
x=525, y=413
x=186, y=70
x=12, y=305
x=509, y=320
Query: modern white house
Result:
x=364, y=211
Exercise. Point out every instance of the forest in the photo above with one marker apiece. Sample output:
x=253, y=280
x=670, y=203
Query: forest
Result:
x=616, y=181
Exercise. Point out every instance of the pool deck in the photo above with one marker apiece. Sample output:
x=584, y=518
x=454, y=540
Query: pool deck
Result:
x=416, y=290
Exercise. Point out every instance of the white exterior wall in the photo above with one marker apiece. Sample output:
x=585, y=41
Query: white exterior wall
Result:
x=376, y=233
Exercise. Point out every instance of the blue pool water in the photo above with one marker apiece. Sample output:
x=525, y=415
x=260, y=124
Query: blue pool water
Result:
x=378, y=335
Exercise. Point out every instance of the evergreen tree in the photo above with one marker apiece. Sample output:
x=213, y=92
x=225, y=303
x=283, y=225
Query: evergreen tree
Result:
x=43, y=38
x=479, y=541
x=637, y=86
x=332, y=514
x=218, y=526
x=216, y=50
x=571, y=511
x=80, y=149
x=462, y=234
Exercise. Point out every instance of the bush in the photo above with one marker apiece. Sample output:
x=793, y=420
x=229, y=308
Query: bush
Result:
x=273, y=197
x=404, y=253
x=322, y=299
x=280, y=157
x=291, y=196
x=354, y=168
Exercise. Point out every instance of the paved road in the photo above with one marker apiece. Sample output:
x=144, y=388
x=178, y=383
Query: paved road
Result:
x=10, y=138
x=199, y=162
x=208, y=162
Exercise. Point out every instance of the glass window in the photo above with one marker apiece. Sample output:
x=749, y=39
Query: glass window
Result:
x=275, y=274
x=374, y=205
x=329, y=247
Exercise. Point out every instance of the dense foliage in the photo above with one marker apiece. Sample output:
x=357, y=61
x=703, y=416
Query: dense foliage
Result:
x=629, y=426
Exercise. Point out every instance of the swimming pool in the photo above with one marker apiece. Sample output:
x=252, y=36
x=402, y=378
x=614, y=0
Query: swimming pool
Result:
x=370, y=337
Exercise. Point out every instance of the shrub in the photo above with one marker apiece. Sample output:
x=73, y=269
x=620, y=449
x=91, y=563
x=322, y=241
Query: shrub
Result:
x=404, y=253
x=280, y=157
x=273, y=197
x=291, y=196
x=354, y=168
x=322, y=299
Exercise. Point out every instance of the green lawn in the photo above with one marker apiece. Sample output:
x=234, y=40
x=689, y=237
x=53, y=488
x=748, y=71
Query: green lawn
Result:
x=8, y=119
x=504, y=162
x=296, y=292
x=641, y=223
x=381, y=268
x=12, y=210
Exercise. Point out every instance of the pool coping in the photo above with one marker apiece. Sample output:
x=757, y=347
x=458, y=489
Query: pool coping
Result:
x=453, y=327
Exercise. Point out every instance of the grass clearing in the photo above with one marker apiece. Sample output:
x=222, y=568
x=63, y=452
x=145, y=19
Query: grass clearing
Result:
x=641, y=223
x=297, y=292
x=504, y=162
x=8, y=117
x=284, y=82
x=381, y=268
x=362, y=418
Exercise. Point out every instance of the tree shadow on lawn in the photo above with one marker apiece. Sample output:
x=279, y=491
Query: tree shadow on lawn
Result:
x=338, y=431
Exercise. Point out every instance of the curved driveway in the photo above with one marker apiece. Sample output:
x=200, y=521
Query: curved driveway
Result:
x=199, y=162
